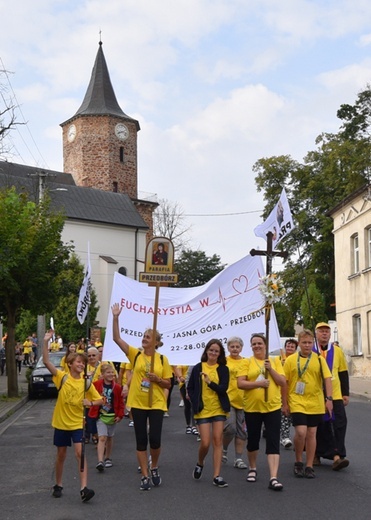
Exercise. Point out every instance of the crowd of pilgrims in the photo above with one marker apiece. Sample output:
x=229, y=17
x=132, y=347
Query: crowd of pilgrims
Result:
x=230, y=402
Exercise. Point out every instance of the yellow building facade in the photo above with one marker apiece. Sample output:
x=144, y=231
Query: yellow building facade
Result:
x=352, y=245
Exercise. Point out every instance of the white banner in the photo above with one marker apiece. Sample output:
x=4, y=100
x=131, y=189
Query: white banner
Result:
x=230, y=304
x=84, y=297
x=279, y=221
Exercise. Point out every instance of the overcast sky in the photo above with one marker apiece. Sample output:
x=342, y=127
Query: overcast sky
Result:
x=215, y=84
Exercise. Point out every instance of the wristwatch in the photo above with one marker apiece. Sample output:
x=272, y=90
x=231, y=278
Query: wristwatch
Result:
x=329, y=398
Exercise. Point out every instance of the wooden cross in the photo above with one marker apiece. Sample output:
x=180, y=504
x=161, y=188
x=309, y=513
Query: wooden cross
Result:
x=269, y=253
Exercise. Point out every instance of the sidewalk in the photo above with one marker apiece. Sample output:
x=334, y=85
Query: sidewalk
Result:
x=8, y=407
x=360, y=387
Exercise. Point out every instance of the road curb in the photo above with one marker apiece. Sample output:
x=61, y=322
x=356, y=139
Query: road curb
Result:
x=10, y=409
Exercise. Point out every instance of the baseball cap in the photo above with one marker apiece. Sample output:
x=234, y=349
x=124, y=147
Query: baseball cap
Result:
x=322, y=324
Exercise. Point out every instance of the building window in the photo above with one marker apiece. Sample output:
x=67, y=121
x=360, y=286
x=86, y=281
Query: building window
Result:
x=368, y=246
x=355, y=253
x=357, y=338
x=115, y=187
x=122, y=155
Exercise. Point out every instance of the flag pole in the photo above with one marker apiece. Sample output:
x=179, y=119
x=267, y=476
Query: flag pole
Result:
x=154, y=329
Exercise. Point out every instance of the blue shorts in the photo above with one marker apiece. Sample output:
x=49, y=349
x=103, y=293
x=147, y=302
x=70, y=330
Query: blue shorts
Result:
x=63, y=437
x=211, y=419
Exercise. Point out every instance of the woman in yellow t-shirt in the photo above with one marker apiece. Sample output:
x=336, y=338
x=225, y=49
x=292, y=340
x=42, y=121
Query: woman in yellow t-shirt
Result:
x=138, y=397
x=207, y=390
x=234, y=427
x=71, y=348
x=256, y=375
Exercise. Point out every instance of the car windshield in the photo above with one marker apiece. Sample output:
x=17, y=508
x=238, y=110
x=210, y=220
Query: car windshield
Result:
x=55, y=359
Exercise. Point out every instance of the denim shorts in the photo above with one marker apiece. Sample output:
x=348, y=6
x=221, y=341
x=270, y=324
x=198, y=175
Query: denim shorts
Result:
x=211, y=419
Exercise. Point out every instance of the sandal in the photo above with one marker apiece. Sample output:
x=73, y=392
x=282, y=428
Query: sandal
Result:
x=189, y=430
x=275, y=485
x=251, y=476
x=194, y=430
x=239, y=463
x=95, y=440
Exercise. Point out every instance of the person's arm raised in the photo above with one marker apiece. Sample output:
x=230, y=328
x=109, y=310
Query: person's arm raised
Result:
x=49, y=365
x=116, y=311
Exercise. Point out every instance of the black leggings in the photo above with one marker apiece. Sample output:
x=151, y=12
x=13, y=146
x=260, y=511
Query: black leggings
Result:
x=188, y=412
x=154, y=418
x=272, y=423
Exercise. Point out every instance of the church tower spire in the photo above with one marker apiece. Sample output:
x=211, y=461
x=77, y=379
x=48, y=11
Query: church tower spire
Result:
x=100, y=140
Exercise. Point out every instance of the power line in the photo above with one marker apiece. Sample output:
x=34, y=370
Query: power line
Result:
x=18, y=106
x=221, y=214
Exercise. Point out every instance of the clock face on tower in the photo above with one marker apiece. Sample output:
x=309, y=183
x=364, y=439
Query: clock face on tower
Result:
x=71, y=133
x=121, y=131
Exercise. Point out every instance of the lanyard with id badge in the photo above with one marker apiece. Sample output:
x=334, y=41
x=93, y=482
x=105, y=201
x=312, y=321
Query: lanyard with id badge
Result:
x=300, y=385
x=145, y=383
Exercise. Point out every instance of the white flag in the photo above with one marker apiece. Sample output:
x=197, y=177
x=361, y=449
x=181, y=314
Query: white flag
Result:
x=279, y=221
x=84, y=297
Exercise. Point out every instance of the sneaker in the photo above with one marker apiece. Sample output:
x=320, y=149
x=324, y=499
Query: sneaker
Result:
x=181, y=403
x=194, y=430
x=145, y=484
x=198, y=438
x=286, y=443
x=299, y=469
x=57, y=491
x=239, y=464
x=100, y=466
x=108, y=463
x=189, y=430
x=197, y=472
x=220, y=482
x=131, y=424
x=86, y=494
x=166, y=414
x=309, y=472
x=155, y=477
x=225, y=457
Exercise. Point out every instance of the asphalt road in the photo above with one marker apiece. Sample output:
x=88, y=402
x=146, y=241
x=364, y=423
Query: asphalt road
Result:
x=27, y=461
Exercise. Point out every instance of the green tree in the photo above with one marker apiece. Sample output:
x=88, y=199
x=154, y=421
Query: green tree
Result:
x=335, y=168
x=64, y=311
x=196, y=268
x=313, y=307
x=31, y=256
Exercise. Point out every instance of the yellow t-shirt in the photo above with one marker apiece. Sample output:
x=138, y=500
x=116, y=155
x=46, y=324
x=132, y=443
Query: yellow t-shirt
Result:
x=124, y=367
x=27, y=347
x=138, y=396
x=254, y=399
x=312, y=401
x=68, y=412
x=234, y=393
x=339, y=365
x=184, y=370
x=64, y=365
x=212, y=406
x=54, y=346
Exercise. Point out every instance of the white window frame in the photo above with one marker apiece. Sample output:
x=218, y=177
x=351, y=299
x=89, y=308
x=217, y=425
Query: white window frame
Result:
x=355, y=253
x=357, y=335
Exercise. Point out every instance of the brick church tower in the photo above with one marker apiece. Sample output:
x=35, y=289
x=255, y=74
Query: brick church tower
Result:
x=100, y=142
